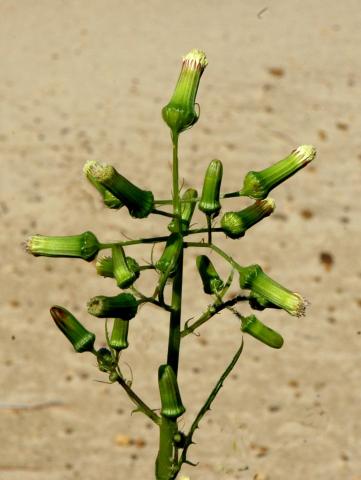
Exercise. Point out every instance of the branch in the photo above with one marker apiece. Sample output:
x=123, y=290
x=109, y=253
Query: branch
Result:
x=134, y=242
x=139, y=402
x=152, y=300
x=216, y=249
x=210, y=312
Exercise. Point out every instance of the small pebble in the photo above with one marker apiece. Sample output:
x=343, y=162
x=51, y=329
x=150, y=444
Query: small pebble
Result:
x=276, y=71
x=342, y=126
x=122, y=440
x=327, y=260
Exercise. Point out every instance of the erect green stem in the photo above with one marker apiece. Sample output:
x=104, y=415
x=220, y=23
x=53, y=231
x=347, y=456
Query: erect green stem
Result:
x=164, y=466
x=209, y=228
x=175, y=174
x=175, y=318
x=166, y=459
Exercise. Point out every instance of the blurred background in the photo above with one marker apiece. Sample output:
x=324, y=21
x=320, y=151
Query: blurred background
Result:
x=83, y=80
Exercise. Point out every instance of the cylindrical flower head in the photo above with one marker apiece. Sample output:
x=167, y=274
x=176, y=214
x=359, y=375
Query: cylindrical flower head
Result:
x=84, y=246
x=209, y=202
x=108, y=198
x=139, y=202
x=169, y=259
x=259, y=330
x=212, y=282
x=180, y=113
x=235, y=224
x=172, y=406
x=119, y=337
x=259, y=184
x=123, y=306
x=81, y=339
x=253, y=278
x=124, y=275
x=187, y=210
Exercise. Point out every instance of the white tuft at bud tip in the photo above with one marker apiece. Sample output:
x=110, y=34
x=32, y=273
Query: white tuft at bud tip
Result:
x=306, y=153
x=89, y=165
x=197, y=57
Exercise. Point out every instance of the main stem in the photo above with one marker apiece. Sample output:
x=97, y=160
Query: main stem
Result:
x=166, y=464
x=175, y=316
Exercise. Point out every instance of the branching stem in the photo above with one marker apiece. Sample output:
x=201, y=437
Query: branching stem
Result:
x=218, y=250
x=139, y=402
x=134, y=242
x=194, y=200
x=211, y=311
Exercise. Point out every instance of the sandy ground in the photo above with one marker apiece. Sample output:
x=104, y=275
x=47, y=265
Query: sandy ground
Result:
x=84, y=80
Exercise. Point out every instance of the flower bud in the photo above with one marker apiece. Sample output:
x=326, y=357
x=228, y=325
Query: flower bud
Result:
x=84, y=246
x=169, y=259
x=259, y=330
x=124, y=275
x=119, y=337
x=81, y=339
x=139, y=202
x=253, y=278
x=180, y=112
x=108, y=198
x=209, y=202
x=212, y=282
x=179, y=439
x=105, y=360
x=259, y=184
x=235, y=224
x=114, y=376
x=123, y=306
x=172, y=406
x=187, y=210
